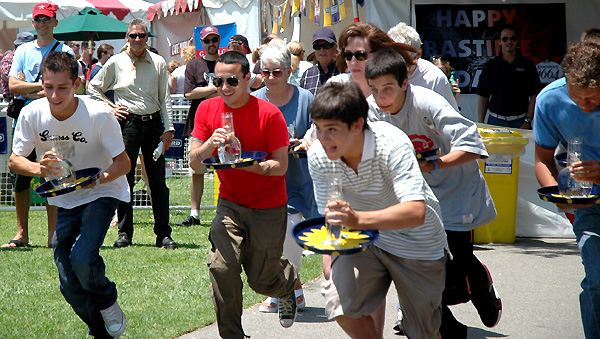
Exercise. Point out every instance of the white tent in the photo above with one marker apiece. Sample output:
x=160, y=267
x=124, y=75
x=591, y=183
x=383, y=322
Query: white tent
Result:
x=173, y=21
x=17, y=14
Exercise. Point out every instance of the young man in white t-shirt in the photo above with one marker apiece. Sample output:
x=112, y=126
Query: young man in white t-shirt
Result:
x=83, y=215
x=382, y=189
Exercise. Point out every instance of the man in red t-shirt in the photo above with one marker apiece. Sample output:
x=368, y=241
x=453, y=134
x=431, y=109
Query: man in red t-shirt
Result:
x=249, y=227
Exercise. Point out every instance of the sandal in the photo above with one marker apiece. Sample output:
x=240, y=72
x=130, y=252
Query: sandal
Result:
x=15, y=243
x=300, y=302
x=270, y=305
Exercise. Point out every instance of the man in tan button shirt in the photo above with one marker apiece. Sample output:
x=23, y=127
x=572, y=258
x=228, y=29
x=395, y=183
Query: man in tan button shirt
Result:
x=142, y=106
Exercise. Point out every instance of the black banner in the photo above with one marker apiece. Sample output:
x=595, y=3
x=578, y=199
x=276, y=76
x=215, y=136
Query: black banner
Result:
x=468, y=36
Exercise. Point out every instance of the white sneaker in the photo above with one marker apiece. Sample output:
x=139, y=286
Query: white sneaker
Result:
x=114, y=320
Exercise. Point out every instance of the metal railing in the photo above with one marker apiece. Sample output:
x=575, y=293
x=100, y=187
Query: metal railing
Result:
x=178, y=173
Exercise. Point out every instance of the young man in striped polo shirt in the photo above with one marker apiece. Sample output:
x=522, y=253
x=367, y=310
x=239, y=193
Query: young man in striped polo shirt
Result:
x=382, y=189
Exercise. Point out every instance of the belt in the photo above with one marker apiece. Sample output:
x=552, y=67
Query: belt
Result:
x=508, y=117
x=145, y=117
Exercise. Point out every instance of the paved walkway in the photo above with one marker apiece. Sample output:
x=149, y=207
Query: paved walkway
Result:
x=538, y=280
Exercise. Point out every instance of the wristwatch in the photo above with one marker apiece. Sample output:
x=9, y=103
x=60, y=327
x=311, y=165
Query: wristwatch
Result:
x=528, y=119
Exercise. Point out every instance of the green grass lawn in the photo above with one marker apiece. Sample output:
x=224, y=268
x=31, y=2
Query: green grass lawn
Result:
x=163, y=293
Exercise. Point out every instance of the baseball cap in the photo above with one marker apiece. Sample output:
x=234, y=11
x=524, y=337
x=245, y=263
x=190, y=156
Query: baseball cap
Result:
x=46, y=9
x=242, y=41
x=208, y=30
x=326, y=34
x=24, y=37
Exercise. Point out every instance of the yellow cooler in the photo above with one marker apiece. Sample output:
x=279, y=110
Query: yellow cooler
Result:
x=501, y=172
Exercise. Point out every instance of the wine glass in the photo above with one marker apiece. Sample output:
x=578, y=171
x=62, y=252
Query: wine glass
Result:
x=62, y=149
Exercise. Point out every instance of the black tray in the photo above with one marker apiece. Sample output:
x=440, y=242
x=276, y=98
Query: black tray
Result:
x=310, y=234
x=550, y=193
x=301, y=154
x=83, y=177
x=429, y=154
x=247, y=159
x=561, y=158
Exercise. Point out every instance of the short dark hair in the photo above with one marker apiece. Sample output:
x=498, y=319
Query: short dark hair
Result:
x=234, y=57
x=103, y=48
x=591, y=35
x=384, y=62
x=509, y=26
x=340, y=101
x=58, y=61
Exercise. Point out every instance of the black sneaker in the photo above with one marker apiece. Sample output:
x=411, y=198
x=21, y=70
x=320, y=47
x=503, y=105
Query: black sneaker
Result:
x=189, y=221
x=287, y=310
x=488, y=304
x=123, y=241
x=451, y=328
x=167, y=243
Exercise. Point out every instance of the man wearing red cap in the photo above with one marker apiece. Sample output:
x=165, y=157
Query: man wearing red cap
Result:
x=26, y=64
x=197, y=87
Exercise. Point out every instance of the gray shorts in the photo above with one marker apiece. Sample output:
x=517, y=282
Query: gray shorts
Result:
x=360, y=283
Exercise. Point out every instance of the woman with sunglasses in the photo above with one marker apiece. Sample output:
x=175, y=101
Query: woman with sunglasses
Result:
x=294, y=103
x=356, y=42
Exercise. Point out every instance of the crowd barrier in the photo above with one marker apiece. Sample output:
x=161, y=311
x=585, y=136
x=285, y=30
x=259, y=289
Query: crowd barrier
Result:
x=178, y=174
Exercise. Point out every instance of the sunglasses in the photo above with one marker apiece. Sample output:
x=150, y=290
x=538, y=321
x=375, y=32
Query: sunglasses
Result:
x=512, y=38
x=213, y=40
x=134, y=36
x=276, y=73
x=42, y=19
x=326, y=45
x=360, y=56
x=75, y=45
x=231, y=81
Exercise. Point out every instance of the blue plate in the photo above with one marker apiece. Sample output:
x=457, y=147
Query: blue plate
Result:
x=551, y=194
x=247, y=159
x=429, y=154
x=83, y=177
x=311, y=235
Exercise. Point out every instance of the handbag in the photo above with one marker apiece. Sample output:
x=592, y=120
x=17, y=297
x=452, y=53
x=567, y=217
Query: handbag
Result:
x=16, y=105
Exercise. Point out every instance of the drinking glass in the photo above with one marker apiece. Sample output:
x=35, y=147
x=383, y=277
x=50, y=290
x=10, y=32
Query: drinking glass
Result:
x=229, y=151
x=567, y=185
x=62, y=149
x=385, y=116
x=334, y=192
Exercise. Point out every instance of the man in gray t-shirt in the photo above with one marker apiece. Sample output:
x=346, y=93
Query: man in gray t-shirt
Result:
x=431, y=123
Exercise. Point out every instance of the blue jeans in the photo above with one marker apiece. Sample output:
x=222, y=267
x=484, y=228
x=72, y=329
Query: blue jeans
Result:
x=145, y=135
x=80, y=232
x=587, y=230
x=503, y=123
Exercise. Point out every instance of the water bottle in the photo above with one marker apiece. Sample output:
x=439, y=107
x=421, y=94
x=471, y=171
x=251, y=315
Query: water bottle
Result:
x=452, y=81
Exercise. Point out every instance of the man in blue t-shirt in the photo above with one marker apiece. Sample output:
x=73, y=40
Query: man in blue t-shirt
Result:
x=570, y=108
x=26, y=65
